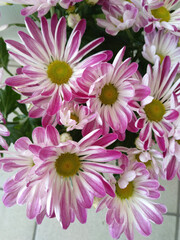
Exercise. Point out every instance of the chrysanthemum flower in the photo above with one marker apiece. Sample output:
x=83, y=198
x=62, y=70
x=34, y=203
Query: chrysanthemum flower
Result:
x=172, y=156
x=109, y=88
x=157, y=111
x=18, y=189
x=162, y=14
x=151, y=157
x=50, y=66
x=59, y=179
x=71, y=171
x=75, y=116
x=118, y=17
x=159, y=44
x=132, y=207
x=40, y=6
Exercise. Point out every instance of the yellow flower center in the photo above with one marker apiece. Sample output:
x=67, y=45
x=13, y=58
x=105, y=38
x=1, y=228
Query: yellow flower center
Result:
x=161, y=57
x=67, y=164
x=121, y=19
x=126, y=192
x=59, y=72
x=155, y=110
x=161, y=13
x=74, y=117
x=178, y=141
x=109, y=94
x=147, y=164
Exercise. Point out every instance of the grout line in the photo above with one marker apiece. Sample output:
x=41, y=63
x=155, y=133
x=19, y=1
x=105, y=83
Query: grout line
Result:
x=35, y=230
x=178, y=212
x=172, y=214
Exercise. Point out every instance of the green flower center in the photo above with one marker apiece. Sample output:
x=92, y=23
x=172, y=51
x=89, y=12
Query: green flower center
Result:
x=74, y=117
x=155, y=110
x=109, y=94
x=59, y=72
x=161, y=13
x=67, y=164
x=178, y=141
x=126, y=192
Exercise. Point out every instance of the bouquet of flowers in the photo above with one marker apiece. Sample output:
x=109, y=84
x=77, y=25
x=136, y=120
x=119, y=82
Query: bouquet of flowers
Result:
x=96, y=98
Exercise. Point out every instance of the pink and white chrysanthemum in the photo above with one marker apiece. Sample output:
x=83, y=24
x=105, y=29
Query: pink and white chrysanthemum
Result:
x=151, y=157
x=40, y=6
x=72, y=170
x=50, y=65
x=172, y=156
x=163, y=15
x=18, y=189
x=118, y=17
x=158, y=111
x=109, y=88
x=159, y=44
x=133, y=205
x=59, y=179
x=75, y=116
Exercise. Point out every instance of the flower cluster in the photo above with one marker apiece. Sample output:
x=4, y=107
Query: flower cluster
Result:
x=105, y=123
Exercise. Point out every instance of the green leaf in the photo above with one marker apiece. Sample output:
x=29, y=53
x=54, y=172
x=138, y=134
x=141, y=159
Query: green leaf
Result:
x=4, y=56
x=8, y=101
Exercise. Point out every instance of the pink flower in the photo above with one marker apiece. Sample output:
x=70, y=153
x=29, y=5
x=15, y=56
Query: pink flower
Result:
x=50, y=65
x=40, y=6
x=157, y=111
x=151, y=157
x=172, y=156
x=132, y=206
x=109, y=88
x=59, y=179
x=159, y=44
x=75, y=116
x=118, y=17
x=163, y=15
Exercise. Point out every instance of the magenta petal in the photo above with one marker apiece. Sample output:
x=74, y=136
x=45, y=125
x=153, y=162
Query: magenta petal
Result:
x=142, y=224
x=172, y=116
x=106, y=140
x=38, y=135
x=140, y=122
x=105, y=168
x=105, y=156
x=47, y=153
x=54, y=104
x=67, y=93
x=171, y=168
x=64, y=205
x=161, y=143
x=53, y=135
x=95, y=183
x=90, y=138
x=22, y=144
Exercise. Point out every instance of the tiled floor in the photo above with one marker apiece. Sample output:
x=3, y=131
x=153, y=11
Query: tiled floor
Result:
x=14, y=224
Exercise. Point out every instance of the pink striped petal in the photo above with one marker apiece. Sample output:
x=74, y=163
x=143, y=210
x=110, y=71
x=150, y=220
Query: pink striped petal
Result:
x=54, y=104
x=53, y=135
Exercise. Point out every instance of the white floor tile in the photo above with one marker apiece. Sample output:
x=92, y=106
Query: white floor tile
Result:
x=165, y=231
x=169, y=196
x=14, y=224
x=97, y=229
